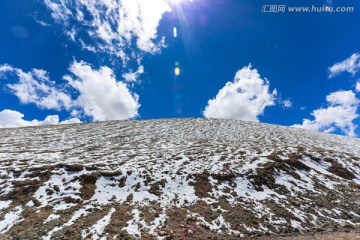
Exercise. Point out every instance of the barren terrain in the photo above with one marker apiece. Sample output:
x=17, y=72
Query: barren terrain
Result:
x=178, y=179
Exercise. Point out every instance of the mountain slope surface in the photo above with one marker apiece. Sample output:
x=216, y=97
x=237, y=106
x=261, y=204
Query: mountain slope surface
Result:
x=176, y=179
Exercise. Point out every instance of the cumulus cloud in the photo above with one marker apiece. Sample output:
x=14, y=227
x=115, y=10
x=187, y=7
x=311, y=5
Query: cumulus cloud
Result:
x=101, y=96
x=112, y=26
x=36, y=87
x=357, y=88
x=11, y=118
x=95, y=92
x=350, y=65
x=340, y=114
x=245, y=98
x=345, y=98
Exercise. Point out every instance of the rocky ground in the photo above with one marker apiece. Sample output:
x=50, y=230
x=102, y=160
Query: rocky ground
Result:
x=178, y=179
x=354, y=235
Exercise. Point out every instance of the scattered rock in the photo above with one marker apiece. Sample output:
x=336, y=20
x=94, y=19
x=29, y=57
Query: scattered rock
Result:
x=74, y=167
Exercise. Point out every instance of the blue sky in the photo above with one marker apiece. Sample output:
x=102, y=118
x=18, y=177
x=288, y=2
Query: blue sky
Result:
x=71, y=61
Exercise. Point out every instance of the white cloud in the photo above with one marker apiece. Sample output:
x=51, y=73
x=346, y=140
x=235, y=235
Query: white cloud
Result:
x=100, y=95
x=344, y=98
x=287, y=103
x=340, y=113
x=97, y=92
x=70, y=121
x=245, y=98
x=5, y=68
x=112, y=25
x=36, y=87
x=10, y=118
x=350, y=65
x=357, y=88
x=39, y=21
x=133, y=76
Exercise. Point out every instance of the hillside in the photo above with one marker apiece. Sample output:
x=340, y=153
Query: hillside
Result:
x=176, y=179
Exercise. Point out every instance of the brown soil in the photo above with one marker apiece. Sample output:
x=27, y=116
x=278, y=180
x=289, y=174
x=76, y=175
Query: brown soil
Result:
x=88, y=185
x=202, y=185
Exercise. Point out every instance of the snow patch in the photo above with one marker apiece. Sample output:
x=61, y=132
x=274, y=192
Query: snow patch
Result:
x=96, y=231
x=10, y=219
x=5, y=204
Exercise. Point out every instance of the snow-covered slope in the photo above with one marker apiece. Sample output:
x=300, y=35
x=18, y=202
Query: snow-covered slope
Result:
x=175, y=179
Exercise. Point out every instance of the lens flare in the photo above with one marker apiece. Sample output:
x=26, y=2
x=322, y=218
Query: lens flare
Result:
x=177, y=71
